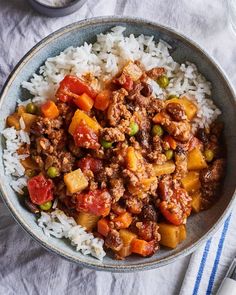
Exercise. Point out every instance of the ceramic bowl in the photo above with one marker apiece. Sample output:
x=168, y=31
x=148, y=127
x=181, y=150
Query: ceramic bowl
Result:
x=53, y=11
x=200, y=226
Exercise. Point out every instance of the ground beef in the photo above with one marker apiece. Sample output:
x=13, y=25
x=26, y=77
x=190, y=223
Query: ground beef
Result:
x=148, y=230
x=58, y=138
x=156, y=158
x=64, y=161
x=137, y=87
x=155, y=106
x=165, y=188
x=214, y=173
x=134, y=205
x=176, y=111
x=156, y=72
x=181, y=131
x=117, y=189
x=117, y=109
x=113, y=240
x=112, y=134
x=202, y=135
x=39, y=161
x=181, y=167
x=210, y=182
x=143, y=138
x=149, y=213
x=75, y=150
x=45, y=125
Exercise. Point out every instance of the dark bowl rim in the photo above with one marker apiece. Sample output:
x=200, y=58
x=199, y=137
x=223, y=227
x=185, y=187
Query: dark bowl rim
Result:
x=48, y=7
x=98, y=265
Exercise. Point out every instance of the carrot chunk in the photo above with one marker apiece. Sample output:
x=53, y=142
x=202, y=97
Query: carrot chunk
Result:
x=159, y=118
x=171, y=142
x=103, y=227
x=84, y=102
x=123, y=221
x=142, y=247
x=50, y=110
x=102, y=100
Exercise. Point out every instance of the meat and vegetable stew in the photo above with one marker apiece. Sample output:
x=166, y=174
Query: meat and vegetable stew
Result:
x=129, y=168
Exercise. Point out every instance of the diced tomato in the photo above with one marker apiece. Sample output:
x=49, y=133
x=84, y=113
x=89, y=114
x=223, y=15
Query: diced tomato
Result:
x=97, y=202
x=178, y=208
x=89, y=163
x=142, y=247
x=85, y=137
x=40, y=189
x=72, y=86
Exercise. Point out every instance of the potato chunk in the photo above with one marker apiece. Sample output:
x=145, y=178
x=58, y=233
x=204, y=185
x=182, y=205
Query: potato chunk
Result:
x=28, y=119
x=170, y=235
x=13, y=121
x=196, y=202
x=132, y=159
x=166, y=168
x=87, y=220
x=127, y=236
x=182, y=233
x=196, y=160
x=133, y=71
x=191, y=182
x=75, y=181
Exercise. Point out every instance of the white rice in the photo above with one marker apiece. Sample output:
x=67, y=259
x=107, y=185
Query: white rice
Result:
x=109, y=54
x=11, y=159
x=59, y=225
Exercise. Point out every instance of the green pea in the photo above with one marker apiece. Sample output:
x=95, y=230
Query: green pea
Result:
x=157, y=130
x=169, y=154
x=133, y=128
x=209, y=155
x=163, y=81
x=52, y=172
x=31, y=108
x=173, y=96
x=46, y=206
x=106, y=144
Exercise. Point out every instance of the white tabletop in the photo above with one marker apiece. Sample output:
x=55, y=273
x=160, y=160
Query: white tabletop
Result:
x=25, y=267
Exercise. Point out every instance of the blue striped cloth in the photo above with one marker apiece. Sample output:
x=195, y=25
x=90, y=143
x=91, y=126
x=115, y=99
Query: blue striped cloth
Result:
x=209, y=264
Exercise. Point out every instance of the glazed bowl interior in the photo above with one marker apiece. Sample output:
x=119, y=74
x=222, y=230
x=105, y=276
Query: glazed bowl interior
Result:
x=199, y=226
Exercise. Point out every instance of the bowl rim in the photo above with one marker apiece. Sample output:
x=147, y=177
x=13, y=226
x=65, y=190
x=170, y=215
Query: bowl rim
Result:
x=58, y=8
x=97, y=265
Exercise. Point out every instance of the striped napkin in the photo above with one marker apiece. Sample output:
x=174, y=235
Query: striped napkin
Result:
x=209, y=264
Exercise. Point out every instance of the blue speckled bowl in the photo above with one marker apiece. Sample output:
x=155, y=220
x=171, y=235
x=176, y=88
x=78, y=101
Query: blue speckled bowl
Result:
x=201, y=226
